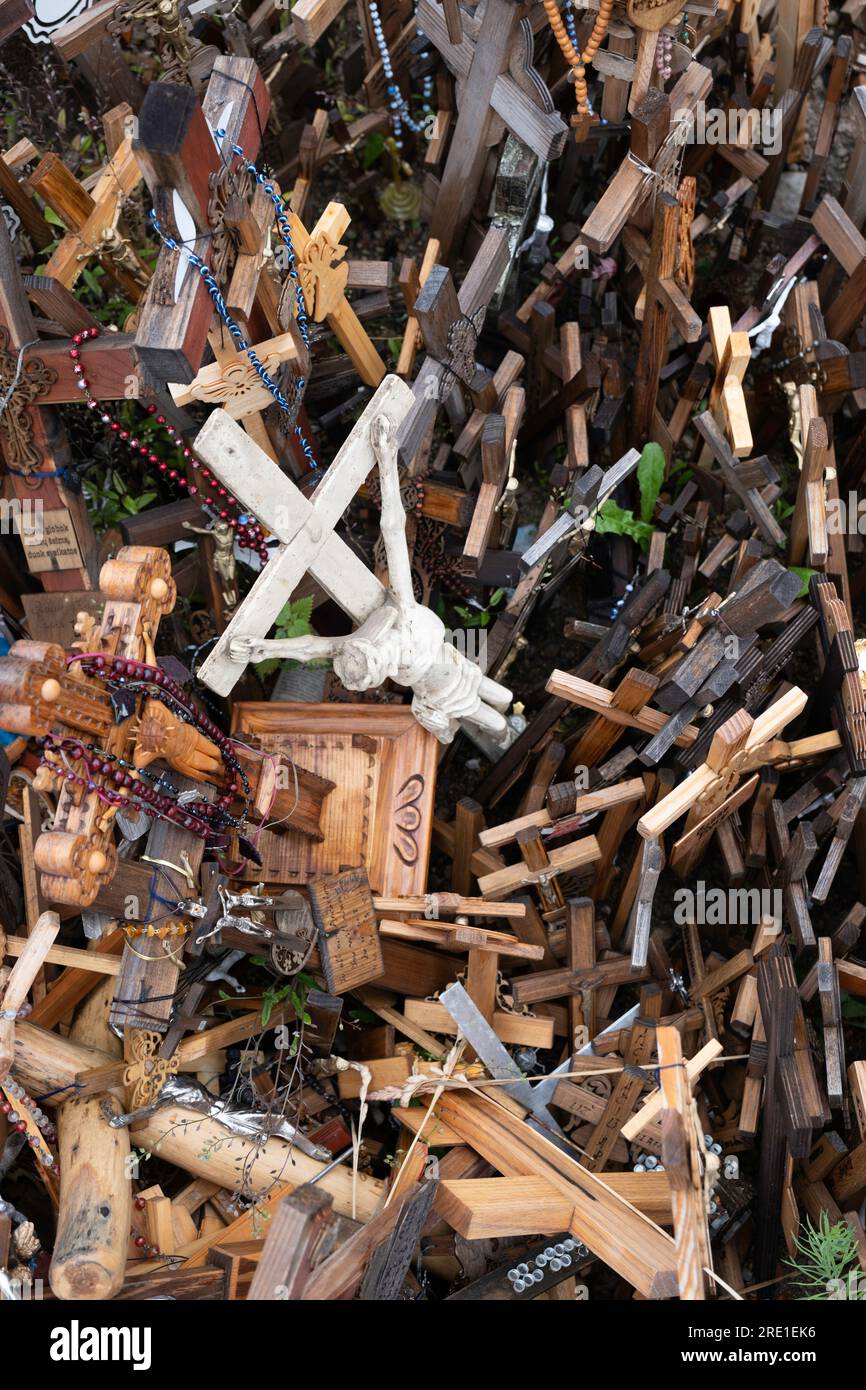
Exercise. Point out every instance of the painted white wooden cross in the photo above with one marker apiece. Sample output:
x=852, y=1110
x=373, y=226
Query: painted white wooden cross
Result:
x=397, y=637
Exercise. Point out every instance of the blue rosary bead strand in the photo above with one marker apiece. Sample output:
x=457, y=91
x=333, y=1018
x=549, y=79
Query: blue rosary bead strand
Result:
x=219, y=303
x=285, y=235
x=222, y=309
x=285, y=231
x=396, y=101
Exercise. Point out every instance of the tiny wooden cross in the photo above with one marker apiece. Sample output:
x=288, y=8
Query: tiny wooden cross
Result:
x=477, y=290
x=146, y=1072
x=93, y=220
x=411, y=282
x=732, y=353
x=630, y=1082
x=233, y=382
x=739, y=746
x=451, y=338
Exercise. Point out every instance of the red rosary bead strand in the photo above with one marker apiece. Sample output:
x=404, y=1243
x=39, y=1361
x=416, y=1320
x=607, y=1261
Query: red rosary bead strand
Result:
x=249, y=533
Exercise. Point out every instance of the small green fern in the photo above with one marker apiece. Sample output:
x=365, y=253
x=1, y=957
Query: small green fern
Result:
x=827, y=1255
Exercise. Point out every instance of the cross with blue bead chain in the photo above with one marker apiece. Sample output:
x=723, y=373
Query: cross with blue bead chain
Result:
x=182, y=160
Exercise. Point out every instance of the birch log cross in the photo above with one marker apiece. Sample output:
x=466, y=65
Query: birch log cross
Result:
x=397, y=637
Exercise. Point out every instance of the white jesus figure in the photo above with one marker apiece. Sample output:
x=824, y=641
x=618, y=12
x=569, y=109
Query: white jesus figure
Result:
x=401, y=640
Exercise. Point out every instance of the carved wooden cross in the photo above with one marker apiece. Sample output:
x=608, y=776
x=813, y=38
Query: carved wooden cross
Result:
x=233, y=382
x=40, y=695
x=493, y=62
x=324, y=274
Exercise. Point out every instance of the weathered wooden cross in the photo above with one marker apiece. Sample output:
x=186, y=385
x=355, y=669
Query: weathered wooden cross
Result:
x=492, y=62
x=665, y=302
x=93, y=220
x=459, y=337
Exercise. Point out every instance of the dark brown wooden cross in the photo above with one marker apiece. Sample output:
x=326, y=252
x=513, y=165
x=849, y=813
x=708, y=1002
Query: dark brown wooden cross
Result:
x=665, y=303
x=183, y=166
x=492, y=60
x=787, y=1127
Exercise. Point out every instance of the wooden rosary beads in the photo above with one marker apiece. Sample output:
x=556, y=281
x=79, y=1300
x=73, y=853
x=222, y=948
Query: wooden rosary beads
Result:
x=578, y=61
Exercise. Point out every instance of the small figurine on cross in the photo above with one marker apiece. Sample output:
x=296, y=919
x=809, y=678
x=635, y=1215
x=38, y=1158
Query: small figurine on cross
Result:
x=401, y=640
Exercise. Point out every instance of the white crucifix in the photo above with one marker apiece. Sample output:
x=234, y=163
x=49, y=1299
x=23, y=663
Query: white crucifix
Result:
x=397, y=638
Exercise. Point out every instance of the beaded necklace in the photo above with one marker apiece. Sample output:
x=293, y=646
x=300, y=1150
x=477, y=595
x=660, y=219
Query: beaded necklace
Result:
x=399, y=106
x=566, y=37
x=210, y=821
x=249, y=531
x=18, y=1108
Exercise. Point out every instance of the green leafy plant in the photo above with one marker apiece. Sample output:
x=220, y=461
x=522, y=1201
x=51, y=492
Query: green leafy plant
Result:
x=111, y=501
x=612, y=519
x=373, y=148
x=479, y=617
x=293, y=620
x=782, y=509
x=826, y=1256
x=650, y=476
x=804, y=575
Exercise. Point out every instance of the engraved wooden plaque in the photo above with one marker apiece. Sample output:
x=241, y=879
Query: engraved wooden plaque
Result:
x=349, y=945
x=379, y=816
